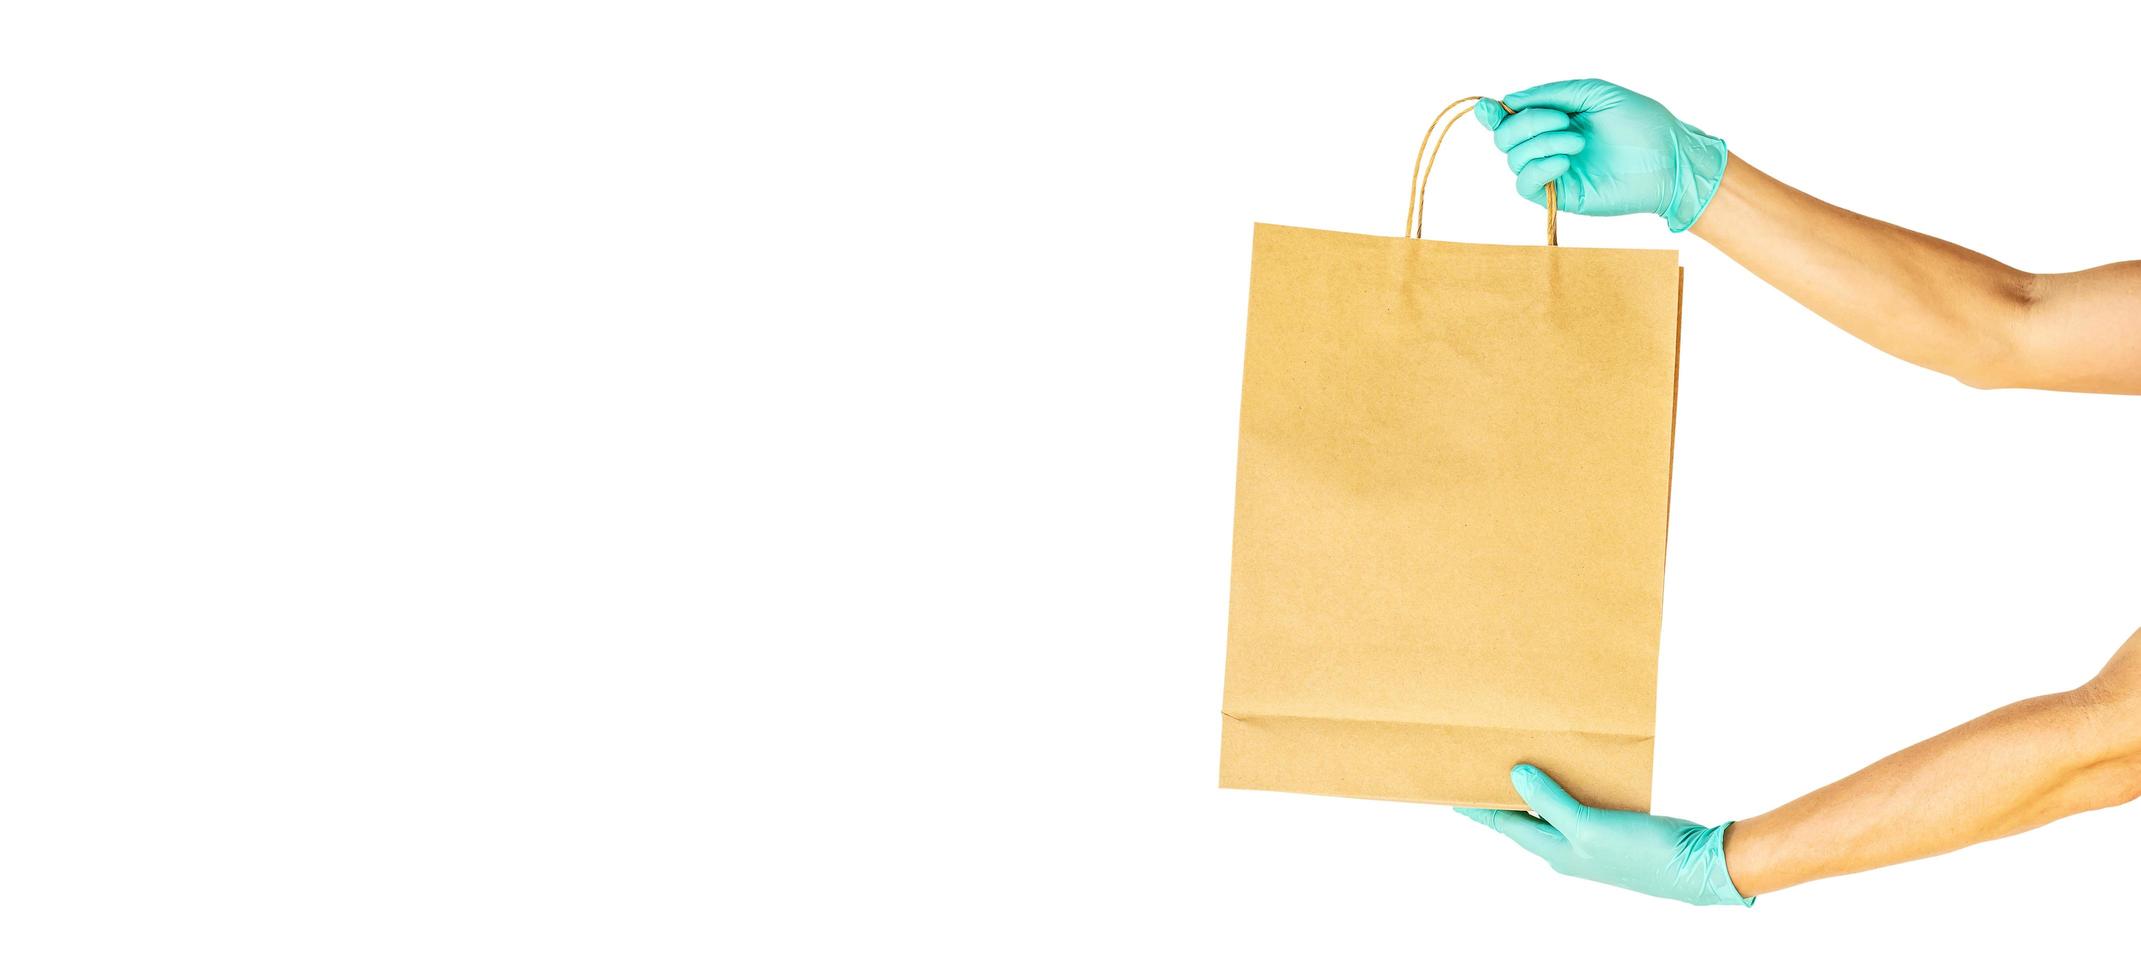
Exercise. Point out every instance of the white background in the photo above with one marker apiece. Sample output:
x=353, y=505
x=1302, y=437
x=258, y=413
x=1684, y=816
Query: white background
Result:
x=641, y=490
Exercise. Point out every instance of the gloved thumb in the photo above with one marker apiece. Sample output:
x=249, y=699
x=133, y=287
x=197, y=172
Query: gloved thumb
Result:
x=1546, y=797
x=1489, y=113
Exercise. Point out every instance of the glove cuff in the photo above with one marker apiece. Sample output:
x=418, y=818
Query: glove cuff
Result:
x=1698, y=167
x=1710, y=851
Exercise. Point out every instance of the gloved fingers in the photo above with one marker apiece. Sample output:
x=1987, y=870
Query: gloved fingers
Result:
x=1526, y=124
x=1533, y=178
x=1547, y=799
x=1574, y=95
x=1565, y=143
x=1530, y=833
x=1489, y=113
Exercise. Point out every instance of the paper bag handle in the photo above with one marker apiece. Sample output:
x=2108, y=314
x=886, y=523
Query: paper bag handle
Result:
x=1416, y=199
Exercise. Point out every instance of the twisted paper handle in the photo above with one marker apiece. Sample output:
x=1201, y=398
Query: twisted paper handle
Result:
x=1416, y=199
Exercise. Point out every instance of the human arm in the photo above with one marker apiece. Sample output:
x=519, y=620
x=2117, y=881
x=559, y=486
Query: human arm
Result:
x=2014, y=769
x=1936, y=304
x=2018, y=768
x=1930, y=302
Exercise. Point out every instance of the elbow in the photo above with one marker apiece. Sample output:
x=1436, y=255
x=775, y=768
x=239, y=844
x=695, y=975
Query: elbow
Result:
x=2114, y=782
x=2108, y=729
x=2124, y=785
x=1989, y=374
x=1987, y=378
x=1993, y=351
x=2103, y=758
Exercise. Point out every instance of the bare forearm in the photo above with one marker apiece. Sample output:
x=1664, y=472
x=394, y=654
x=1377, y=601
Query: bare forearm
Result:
x=1930, y=302
x=2017, y=768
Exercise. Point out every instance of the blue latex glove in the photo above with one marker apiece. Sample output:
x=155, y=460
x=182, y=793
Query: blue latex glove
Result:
x=1607, y=151
x=1654, y=855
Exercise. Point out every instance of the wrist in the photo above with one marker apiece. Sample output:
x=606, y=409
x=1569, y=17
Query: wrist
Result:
x=1744, y=858
x=1719, y=888
x=1698, y=169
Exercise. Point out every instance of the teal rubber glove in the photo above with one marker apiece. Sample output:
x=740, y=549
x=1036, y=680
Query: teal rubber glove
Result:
x=1607, y=151
x=1657, y=856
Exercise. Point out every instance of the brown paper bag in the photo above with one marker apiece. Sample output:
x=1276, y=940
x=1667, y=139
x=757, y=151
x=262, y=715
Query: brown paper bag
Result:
x=1449, y=537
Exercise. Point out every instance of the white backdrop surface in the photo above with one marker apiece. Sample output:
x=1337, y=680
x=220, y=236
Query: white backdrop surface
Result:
x=680, y=490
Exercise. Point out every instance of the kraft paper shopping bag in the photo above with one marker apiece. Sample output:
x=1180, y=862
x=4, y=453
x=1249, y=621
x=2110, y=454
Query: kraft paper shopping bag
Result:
x=1450, y=518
